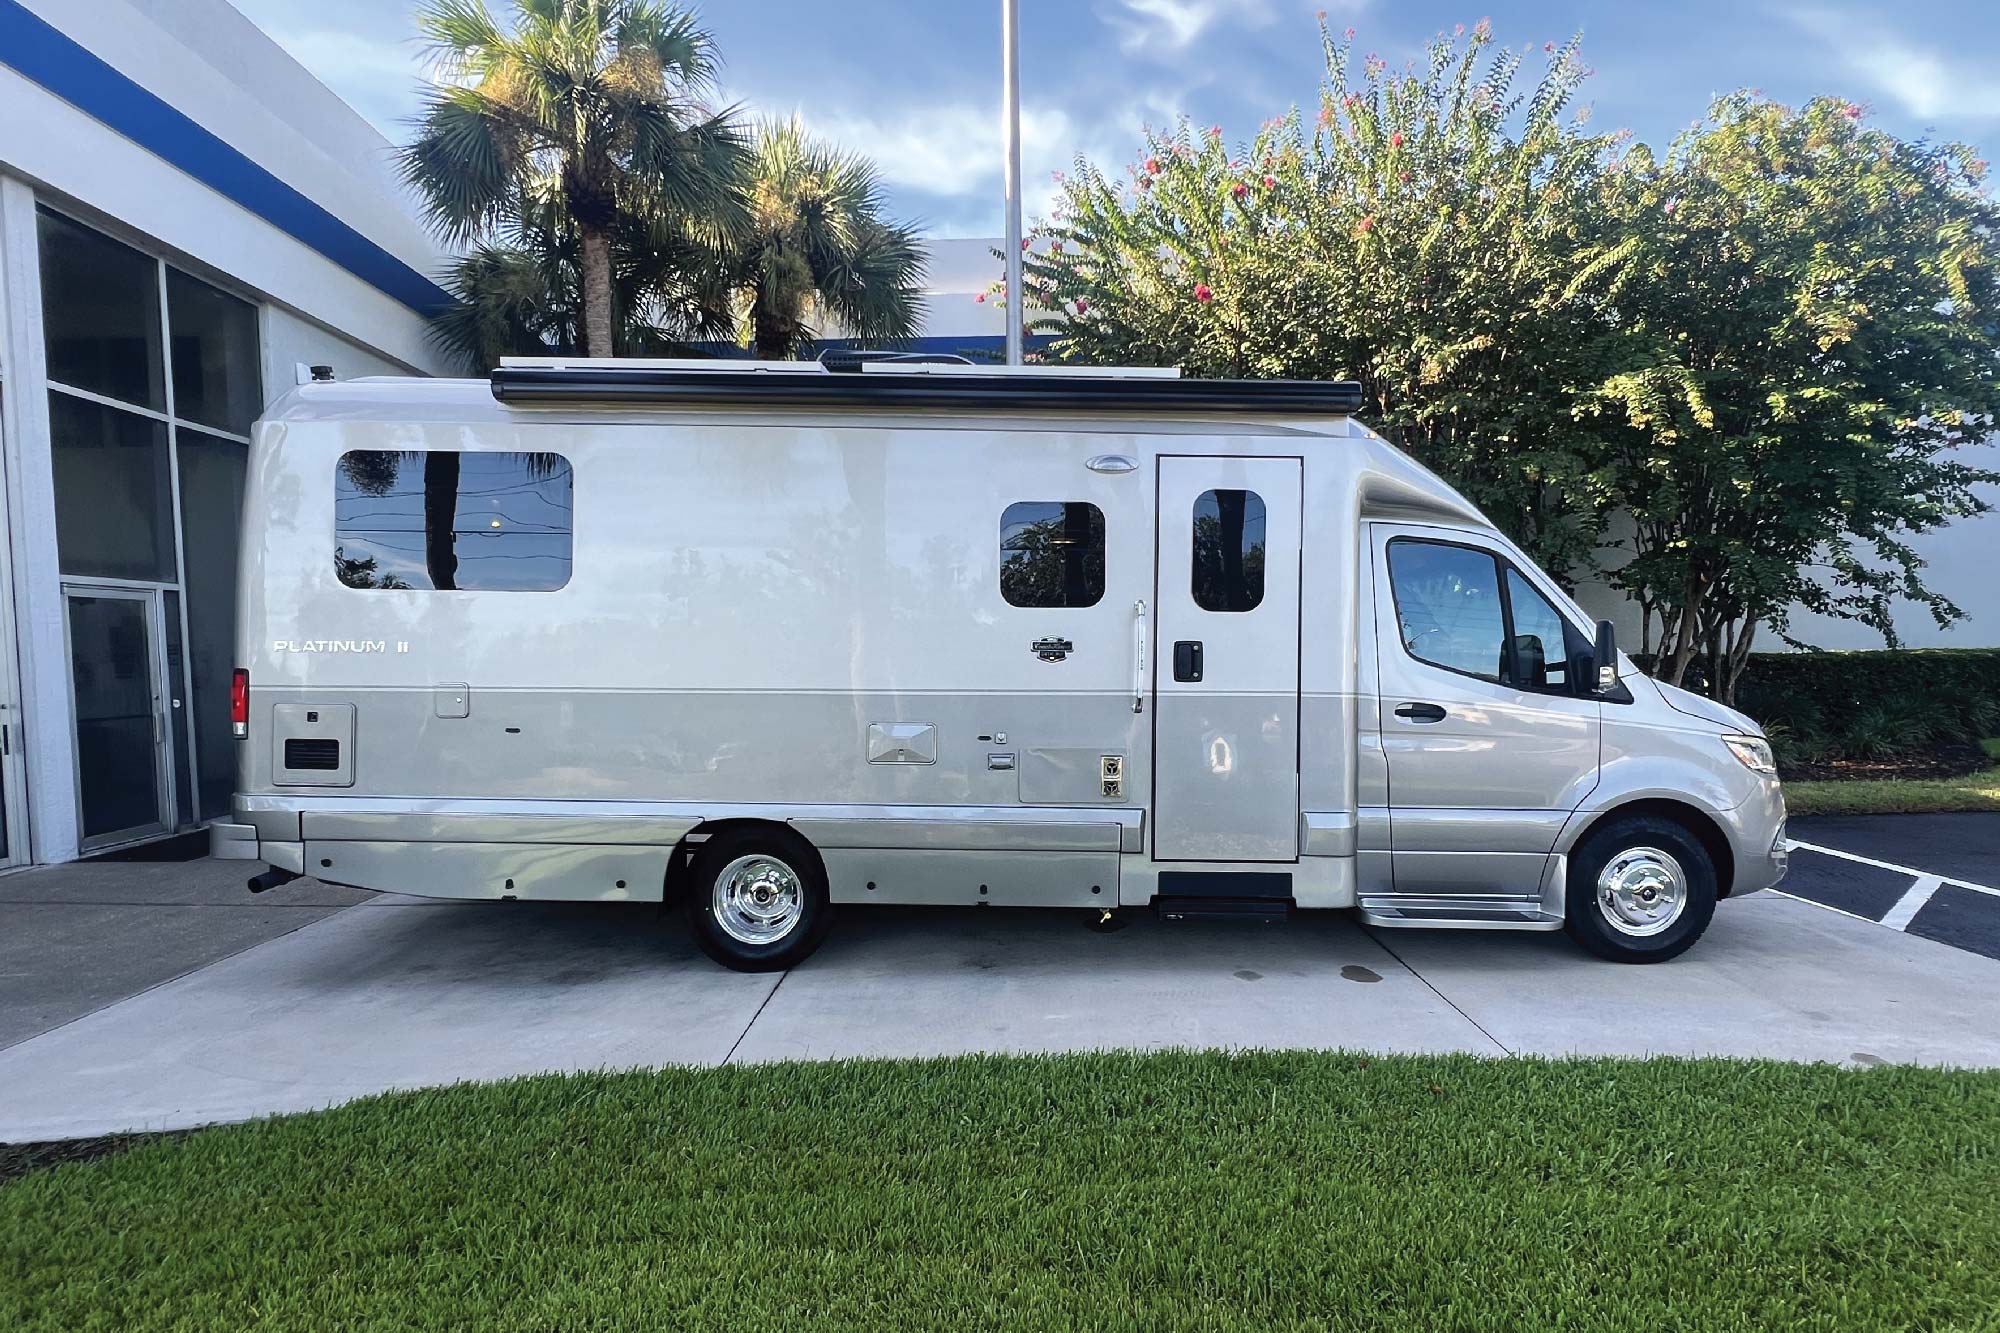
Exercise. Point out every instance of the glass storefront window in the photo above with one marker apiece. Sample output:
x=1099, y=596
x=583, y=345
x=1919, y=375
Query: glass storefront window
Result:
x=212, y=474
x=214, y=344
x=113, y=493
x=101, y=314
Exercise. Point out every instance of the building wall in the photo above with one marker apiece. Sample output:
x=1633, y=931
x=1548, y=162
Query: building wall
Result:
x=180, y=132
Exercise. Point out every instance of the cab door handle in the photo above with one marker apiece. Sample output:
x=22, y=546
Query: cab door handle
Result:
x=1421, y=712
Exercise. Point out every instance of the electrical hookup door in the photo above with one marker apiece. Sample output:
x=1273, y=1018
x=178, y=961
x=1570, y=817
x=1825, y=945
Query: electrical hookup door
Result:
x=1226, y=660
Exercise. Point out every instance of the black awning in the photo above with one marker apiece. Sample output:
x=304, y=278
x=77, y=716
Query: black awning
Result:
x=638, y=385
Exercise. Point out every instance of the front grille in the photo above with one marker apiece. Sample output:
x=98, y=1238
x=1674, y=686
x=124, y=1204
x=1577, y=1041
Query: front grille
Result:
x=312, y=753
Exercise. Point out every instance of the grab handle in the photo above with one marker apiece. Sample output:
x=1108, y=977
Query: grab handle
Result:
x=1138, y=657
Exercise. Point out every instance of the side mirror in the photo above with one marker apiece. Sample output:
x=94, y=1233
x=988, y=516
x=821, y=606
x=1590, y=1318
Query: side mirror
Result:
x=1604, y=657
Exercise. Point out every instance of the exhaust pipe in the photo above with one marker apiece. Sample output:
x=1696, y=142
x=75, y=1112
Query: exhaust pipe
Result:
x=271, y=879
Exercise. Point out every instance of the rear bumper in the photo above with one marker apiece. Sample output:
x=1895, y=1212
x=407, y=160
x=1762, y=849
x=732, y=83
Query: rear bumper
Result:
x=233, y=842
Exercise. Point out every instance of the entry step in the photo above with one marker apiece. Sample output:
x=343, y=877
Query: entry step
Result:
x=1191, y=908
x=1452, y=913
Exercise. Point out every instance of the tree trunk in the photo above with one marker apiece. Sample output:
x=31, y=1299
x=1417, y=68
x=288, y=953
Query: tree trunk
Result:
x=597, y=339
x=1737, y=658
x=440, y=514
x=772, y=335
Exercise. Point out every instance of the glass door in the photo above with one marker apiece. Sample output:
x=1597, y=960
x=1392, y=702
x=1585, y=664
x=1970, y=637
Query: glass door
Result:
x=118, y=674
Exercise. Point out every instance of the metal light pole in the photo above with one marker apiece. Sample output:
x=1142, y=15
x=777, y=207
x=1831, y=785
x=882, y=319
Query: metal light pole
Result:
x=1010, y=133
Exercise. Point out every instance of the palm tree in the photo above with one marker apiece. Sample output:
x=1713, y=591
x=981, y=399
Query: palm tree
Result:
x=519, y=293
x=818, y=247
x=592, y=105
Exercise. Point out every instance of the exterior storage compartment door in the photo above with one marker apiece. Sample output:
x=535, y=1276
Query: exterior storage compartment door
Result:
x=1226, y=662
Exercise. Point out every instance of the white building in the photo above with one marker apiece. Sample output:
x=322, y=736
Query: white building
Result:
x=186, y=219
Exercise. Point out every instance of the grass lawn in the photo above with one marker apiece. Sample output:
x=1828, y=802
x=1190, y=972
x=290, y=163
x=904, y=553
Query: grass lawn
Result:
x=1107, y=1191
x=1974, y=791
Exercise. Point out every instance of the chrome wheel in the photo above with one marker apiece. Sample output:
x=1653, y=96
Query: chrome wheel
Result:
x=1642, y=891
x=758, y=899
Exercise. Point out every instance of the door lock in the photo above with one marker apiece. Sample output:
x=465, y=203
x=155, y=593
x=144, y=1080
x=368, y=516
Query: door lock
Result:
x=1187, y=660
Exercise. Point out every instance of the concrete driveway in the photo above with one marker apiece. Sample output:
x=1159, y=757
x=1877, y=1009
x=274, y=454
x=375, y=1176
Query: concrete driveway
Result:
x=398, y=992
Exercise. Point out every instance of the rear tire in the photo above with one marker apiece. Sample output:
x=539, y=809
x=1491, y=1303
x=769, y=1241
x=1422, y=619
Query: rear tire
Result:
x=756, y=900
x=1641, y=889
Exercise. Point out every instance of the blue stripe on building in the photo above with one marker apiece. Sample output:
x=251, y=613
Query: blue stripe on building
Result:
x=48, y=57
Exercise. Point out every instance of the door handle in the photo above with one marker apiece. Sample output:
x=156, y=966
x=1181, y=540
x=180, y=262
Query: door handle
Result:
x=1421, y=712
x=1187, y=659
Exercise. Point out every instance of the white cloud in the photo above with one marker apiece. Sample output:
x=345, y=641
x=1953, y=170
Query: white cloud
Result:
x=1922, y=81
x=1167, y=26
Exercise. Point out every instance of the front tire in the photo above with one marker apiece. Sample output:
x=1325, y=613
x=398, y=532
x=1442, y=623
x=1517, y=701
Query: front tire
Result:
x=757, y=900
x=1641, y=889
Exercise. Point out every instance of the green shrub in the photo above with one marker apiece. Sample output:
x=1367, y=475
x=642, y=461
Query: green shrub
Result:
x=1872, y=705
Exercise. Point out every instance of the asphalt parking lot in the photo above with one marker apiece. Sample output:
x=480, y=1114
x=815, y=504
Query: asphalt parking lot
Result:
x=159, y=997
x=1933, y=876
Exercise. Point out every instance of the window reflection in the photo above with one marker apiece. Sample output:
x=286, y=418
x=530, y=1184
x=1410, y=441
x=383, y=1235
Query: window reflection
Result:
x=1052, y=553
x=446, y=520
x=1229, y=550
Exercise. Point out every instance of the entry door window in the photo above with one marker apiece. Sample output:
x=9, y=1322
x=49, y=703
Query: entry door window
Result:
x=115, y=678
x=1228, y=550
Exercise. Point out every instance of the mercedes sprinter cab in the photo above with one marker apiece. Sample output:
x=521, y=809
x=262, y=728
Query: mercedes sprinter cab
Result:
x=764, y=639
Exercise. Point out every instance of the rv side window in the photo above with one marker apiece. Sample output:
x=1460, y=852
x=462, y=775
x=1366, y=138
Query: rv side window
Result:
x=1228, y=550
x=1448, y=606
x=445, y=520
x=1052, y=553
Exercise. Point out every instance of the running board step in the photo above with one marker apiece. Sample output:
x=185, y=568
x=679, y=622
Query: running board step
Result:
x=1190, y=908
x=1458, y=914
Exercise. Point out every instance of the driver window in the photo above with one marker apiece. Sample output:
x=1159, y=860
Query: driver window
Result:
x=1540, y=650
x=1448, y=606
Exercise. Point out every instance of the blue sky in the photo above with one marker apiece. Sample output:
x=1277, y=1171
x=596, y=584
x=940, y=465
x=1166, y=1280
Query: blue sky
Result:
x=916, y=84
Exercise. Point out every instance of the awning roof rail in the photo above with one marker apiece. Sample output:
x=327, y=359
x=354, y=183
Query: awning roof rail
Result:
x=807, y=384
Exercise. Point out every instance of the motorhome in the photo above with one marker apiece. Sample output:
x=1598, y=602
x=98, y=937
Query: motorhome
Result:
x=765, y=639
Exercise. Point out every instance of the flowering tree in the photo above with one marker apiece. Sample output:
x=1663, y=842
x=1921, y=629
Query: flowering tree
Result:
x=1419, y=235
x=1804, y=310
x=1761, y=347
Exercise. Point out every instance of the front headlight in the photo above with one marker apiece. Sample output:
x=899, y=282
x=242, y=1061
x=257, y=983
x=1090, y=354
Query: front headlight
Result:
x=1754, y=751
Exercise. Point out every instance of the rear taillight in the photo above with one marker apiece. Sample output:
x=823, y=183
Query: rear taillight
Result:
x=239, y=703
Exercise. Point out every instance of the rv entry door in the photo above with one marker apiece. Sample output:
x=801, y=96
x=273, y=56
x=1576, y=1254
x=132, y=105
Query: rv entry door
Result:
x=1226, y=665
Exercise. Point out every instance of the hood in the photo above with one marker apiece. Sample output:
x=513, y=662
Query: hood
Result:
x=1708, y=710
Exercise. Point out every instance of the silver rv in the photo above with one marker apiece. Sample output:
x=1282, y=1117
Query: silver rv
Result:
x=767, y=638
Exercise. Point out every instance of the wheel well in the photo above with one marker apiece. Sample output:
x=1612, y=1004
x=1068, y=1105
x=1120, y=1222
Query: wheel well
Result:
x=681, y=859
x=1705, y=829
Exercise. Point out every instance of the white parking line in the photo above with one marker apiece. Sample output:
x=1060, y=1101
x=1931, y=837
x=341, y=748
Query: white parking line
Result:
x=1912, y=902
x=1795, y=845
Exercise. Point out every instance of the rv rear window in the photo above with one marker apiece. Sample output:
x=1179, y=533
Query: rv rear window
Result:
x=1052, y=553
x=438, y=520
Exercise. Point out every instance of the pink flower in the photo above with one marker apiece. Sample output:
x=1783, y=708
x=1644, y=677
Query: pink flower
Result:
x=1153, y=166
x=1366, y=225
x=1396, y=139
x=979, y=299
x=1202, y=293
x=1024, y=245
x=1326, y=115
x=1349, y=34
x=1239, y=189
x=1548, y=46
x=1403, y=176
x=1458, y=30
x=1145, y=182
x=1215, y=131
x=1081, y=305
x=1670, y=206
x=1851, y=111
x=1270, y=182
